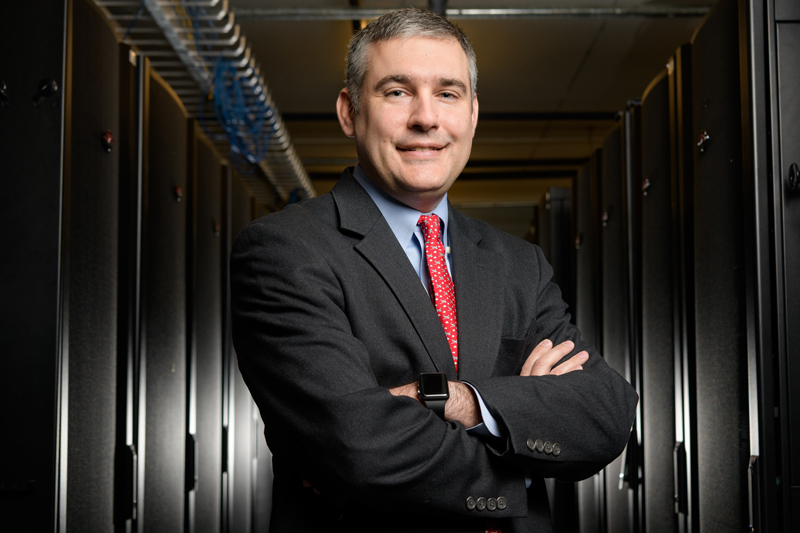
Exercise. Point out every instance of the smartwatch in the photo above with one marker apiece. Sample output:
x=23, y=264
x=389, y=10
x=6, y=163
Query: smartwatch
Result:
x=433, y=391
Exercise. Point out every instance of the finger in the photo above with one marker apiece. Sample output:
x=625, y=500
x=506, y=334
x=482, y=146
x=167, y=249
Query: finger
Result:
x=544, y=364
x=573, y=363
x=544, y=356
x=537, y=352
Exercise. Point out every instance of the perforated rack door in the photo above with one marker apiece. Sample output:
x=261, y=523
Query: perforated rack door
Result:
x=719, y=270
x=91, y=268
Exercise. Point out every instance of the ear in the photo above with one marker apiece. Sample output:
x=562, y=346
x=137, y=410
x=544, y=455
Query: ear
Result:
x=346, y=114
x=474, y=114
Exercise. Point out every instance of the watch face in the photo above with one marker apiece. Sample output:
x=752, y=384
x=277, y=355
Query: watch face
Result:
x=433, y=386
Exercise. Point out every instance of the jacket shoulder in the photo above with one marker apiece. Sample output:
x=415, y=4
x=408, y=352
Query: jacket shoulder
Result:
x=310, y=215
x=489, y=237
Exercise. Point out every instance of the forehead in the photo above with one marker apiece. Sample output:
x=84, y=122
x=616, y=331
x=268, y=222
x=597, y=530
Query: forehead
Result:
x=418, y=57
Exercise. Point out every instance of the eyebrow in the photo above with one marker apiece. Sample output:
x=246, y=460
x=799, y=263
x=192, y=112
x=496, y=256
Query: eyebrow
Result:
x=453, y=82
x=392, y=78
x=402, y=78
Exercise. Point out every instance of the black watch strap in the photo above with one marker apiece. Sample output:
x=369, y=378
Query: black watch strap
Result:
x=437, y=406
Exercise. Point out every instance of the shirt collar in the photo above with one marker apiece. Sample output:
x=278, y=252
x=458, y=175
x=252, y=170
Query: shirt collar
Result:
x=401, y=218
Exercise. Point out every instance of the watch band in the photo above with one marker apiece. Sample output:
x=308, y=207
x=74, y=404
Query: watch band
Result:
x=437, y=406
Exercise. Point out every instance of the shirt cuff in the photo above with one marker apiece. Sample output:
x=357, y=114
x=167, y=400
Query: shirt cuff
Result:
x=489, y=427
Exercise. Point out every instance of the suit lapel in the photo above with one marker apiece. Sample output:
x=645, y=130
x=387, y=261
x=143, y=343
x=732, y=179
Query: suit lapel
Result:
x=478, y=300
x=378, y=245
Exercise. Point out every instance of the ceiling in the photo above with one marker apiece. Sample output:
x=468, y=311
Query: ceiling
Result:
x=549, y=88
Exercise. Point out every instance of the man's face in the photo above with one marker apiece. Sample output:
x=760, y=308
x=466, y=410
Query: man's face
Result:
x=416, y=119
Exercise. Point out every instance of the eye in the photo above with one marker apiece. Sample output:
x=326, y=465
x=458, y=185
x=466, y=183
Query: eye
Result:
x=448, y=95
x=396, y=92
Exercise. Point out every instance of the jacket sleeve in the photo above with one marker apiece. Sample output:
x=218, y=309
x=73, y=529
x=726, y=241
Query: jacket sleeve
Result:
x=324, y=411
x=569, y=426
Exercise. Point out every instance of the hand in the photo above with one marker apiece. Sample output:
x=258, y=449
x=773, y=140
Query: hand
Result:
x=542, y=359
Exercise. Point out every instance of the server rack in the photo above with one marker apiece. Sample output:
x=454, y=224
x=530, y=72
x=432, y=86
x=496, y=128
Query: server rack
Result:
x=588, y=314
x=90, y=216
x=615, y=311
x=132, y=96
x=657, y=307
x=242, y=436
x=32, y=387
x=720, y=335
x=771, y=107
x=207, y=339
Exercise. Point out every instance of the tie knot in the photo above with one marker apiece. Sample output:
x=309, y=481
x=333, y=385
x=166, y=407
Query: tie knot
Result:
x=430, y=225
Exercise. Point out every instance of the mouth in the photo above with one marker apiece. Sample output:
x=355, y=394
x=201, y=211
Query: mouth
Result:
x=421, y=148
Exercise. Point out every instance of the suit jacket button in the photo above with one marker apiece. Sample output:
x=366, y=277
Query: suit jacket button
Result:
x=531, y=445
x=491, y=504
x=556, y=449
x=548, y=447
x=480, y=503
x=501, y=503
x=470, y=503
x=539, y=445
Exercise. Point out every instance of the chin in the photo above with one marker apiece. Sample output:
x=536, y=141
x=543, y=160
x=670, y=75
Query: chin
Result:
x=426, y=182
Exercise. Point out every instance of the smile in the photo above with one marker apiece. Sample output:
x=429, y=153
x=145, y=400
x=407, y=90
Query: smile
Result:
x=419, y=149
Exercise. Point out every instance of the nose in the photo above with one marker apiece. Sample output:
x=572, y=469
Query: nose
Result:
x=424, y=114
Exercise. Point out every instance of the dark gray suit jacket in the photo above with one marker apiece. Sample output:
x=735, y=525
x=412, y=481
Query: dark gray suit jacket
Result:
x=328, y=314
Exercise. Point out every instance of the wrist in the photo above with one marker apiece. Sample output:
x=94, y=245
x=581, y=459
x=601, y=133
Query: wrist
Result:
x=462, y=405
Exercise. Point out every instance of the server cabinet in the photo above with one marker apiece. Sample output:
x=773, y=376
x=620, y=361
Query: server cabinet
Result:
x=633, y=468
x=588, y=313
x=682, y=169
x=720, y=336
x=132, y=76
x=90, y=267
x=615, y=307
x=785, y=114
x=242, y=459
x=163, y=312
x=554, y=230
x=789, y=107
x=31, y=135
x=206, y=338
x=587, y=273
x=249, y=472
x=658, y=306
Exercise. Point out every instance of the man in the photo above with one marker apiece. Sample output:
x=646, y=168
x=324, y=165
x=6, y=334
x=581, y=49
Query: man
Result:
x=355, y=317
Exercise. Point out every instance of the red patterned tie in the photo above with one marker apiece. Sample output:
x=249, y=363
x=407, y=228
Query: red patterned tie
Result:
x=443, y=294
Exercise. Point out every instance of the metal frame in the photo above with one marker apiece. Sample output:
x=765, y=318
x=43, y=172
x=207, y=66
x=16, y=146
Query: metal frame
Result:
x=771, y=504
x=632, y=147
x=685, y=455
x=359, y=13
x=161, y=34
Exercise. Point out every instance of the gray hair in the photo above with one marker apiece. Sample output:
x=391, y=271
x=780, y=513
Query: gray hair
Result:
x=405, y=23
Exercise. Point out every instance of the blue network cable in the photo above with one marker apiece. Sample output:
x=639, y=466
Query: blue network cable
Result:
x=242, y=111
x=134, y=21
x=240, y=108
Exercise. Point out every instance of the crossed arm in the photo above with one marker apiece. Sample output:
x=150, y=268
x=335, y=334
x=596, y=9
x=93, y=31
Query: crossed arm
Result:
x=462, y=406
x=543, y=360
